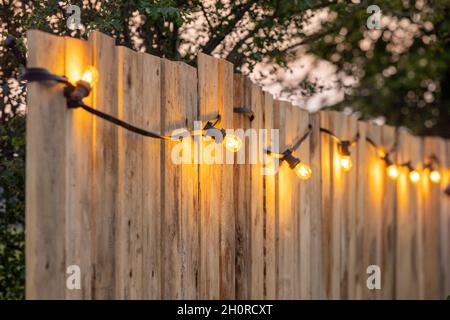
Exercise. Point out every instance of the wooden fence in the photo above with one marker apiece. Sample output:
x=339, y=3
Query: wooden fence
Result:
x=140, y=227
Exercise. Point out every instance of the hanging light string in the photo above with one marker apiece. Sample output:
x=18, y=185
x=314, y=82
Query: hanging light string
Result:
x=392, y=168
x=344, y=147
x=301, y=169
x=76, y=93
x=432, y=164
x=247, y=111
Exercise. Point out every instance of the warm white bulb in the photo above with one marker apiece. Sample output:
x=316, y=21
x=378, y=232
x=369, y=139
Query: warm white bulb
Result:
x=232, y=142
x=435, y=176
x=90, y=76
x=392, y=171
x=346, y=162
x=414, y=176
x=303, y=171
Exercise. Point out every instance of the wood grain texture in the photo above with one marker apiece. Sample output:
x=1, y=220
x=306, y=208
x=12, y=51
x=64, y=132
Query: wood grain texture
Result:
x=130, y=172
x=79, y=218
x=331, y=213
x=315, y=194
x=288, y=285
x=431, y=194
x=269, y=208
x=388, y=141
x=373, y=212
x=180, y=225
x=226, y=201
x=104, y=59
x=257, y=200
x=242, y=191
x=151, y=179
x=211, y=190
x=46, y=173
x=408, y=283
x=304, y=213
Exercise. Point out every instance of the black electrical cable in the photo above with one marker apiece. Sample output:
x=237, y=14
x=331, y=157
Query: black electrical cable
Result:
x=121, y=123
x=42, y=75
x=246, y=111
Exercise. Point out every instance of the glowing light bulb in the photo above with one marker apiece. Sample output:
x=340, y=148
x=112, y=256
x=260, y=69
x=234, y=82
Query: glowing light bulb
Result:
x=90, y=76
x=232, y=142
x=435, y=176
x=346, y=162
x=414, y=176
x=303, y=171
x=392, y=171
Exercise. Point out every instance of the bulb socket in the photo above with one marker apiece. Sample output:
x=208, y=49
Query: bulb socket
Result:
x=290, y=159
x=344, y=148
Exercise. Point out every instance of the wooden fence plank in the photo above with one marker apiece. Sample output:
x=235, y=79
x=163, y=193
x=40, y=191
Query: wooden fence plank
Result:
x=151, y=169
x=331, y=213
x=360, y=219
x=45, y=172
x=79, y=220
x=226, y=204
x=129, y=197
x=287, y=255
x=315, y=190
x=242, y=98
x=304, y=213
x=257, y=201
x=431, y=194
x=445, y=222
x=210, y=183
x=407, y=269
x=373, y=212
x=105, y=166
x=270, y=219
x=172, y=119
x=389, y=138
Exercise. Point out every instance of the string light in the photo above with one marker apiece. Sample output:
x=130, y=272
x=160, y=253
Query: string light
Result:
x=391, y=168
x=90, y=76
x=301, y=169
x=434, y=174
x=231, y=141
x=344, y=146
x=76, y=93
x=414, y=175
x=392, y=171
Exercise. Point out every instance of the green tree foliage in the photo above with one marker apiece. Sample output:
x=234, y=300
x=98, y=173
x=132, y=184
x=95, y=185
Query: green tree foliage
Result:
x=402, y=70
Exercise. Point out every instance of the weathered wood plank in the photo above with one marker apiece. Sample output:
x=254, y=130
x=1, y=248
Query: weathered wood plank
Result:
x=79, y=168
x=257, y=201
x=226, y=202
x=210, y=182
x=151, y=179
x=270, y=219
x=129, y=198
x=46, y=172
x=331, y=213
x=373, y=212
x=431, y=194
x=242, y=191
x=105, y=166
x=407, y=240
x=304, y=213
x=287, y=242
x=389, y=138
x=315, y=190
